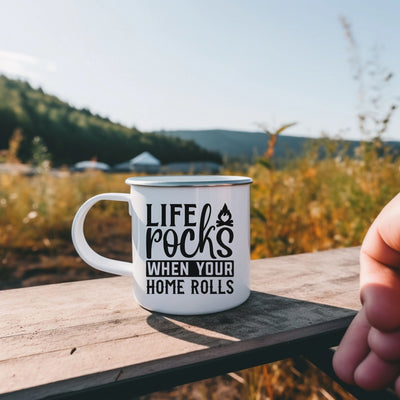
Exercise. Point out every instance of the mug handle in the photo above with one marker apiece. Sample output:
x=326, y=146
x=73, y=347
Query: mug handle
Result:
x=81, y=245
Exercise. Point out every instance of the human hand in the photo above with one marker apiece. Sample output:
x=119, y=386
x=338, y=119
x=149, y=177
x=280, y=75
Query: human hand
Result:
x=369, y=353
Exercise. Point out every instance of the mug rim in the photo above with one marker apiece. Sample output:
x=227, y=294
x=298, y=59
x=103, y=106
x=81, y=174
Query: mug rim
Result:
x=188, y=180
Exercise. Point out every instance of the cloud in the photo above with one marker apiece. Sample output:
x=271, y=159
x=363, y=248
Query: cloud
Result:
x=23, y=65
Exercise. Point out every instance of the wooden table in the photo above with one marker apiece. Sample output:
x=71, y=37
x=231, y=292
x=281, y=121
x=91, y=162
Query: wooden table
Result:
x=91, y=338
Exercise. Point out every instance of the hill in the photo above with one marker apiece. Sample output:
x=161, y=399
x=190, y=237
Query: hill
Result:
x=238, y=144
x=242, y=145
x=72, y=134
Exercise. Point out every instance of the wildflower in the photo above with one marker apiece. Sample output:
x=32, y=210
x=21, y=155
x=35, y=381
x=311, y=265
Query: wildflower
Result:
x=289, y=182
x=310, y=173
x=31, y=215
x=315, y=210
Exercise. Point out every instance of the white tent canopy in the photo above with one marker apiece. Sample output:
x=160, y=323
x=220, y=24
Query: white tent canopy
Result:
x=144, y=162
x=145, y=158
x=84, y=165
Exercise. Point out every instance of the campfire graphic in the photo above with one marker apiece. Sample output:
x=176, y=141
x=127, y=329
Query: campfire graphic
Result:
x=224, y=217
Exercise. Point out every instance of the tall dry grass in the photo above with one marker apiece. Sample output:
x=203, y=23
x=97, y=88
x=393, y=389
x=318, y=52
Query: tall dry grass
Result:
x=36, y=215
x=37, y=212
x=310, y=205
x=318, y=204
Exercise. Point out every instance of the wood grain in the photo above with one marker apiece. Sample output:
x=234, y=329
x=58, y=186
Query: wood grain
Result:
x=61, y=339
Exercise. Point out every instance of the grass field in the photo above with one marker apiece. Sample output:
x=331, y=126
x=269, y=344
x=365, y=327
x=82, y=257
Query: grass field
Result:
x=310, y=205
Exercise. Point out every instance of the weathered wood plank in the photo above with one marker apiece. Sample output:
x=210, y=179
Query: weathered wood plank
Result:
x=327, y=277
x=80, y=335
x=137, y=379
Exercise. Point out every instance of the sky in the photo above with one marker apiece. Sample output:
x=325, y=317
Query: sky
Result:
x=210, y=64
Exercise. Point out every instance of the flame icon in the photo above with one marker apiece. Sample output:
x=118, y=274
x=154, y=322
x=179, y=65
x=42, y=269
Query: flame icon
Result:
x=224, y=217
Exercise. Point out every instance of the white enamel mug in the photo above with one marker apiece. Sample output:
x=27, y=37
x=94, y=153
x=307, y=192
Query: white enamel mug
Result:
x=190, y=242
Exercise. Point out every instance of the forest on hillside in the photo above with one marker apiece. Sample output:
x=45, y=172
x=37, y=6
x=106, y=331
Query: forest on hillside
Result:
x=72, y=134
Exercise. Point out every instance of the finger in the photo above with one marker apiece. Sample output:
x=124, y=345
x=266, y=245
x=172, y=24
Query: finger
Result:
x=382, y=241
x=385, y=344
x=380, y=269
x=380, y=294
x=374, y=373
x=353, y=348
x=397, y=386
